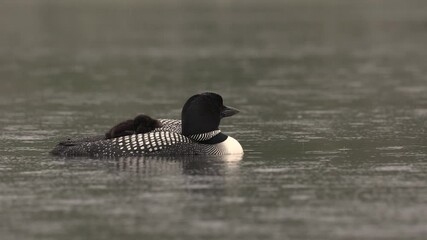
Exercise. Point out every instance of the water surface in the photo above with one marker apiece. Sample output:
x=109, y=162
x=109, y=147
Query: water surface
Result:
x=334, y=106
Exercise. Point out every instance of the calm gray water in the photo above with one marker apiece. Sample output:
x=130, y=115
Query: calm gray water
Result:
x=334, y=107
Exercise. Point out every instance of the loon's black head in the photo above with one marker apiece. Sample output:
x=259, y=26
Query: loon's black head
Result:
x=203, y=112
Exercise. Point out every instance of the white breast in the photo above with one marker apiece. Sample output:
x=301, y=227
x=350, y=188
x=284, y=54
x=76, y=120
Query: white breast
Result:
x=230, y=146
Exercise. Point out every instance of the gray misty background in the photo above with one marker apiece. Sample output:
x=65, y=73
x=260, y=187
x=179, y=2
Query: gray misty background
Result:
x=333, y=97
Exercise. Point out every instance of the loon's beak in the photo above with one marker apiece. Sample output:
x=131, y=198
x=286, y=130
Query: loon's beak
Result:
x=228, y=111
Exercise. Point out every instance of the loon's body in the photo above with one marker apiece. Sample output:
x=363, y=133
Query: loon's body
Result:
x=196, y=134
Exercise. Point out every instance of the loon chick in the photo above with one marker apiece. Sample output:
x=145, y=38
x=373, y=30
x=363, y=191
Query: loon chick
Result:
x=197, y=133
x=140, y=124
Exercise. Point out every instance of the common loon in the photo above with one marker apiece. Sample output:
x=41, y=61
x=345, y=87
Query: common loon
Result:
x=140, y=124
x=197, y=133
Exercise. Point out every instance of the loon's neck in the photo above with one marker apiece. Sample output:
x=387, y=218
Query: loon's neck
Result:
x=211, y=137
x=219, y=138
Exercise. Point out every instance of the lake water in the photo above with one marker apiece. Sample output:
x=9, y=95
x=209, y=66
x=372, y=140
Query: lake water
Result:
x=333, y=100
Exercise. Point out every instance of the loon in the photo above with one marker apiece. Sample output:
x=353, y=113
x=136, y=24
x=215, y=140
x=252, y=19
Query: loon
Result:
x=140, y=124
x=197, y=133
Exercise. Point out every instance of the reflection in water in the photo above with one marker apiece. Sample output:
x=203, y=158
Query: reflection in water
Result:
x=187, y=165
x=197, y=176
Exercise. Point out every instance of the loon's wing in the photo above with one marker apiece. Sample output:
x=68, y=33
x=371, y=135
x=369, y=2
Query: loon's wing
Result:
x=152, y=143
x=170, y=125
x=164, y=140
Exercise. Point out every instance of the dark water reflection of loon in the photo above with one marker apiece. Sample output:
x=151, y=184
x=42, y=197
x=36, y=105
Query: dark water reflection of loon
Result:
x=186, y=165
